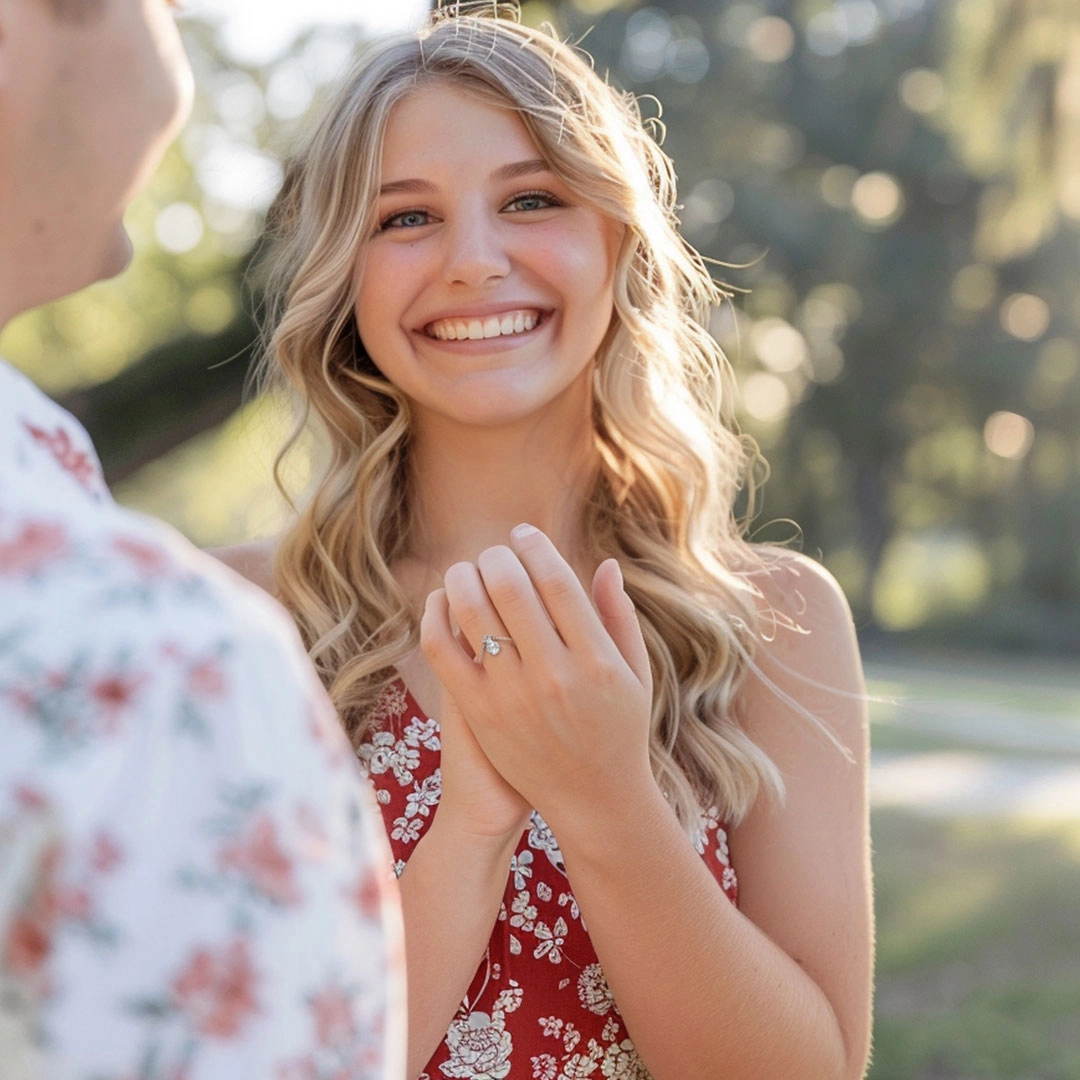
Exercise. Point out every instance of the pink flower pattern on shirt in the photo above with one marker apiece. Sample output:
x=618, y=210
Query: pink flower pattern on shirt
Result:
x=193, y=879
x=539, y=1006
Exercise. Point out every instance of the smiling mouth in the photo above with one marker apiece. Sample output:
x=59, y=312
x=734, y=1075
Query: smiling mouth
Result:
x=506, y=324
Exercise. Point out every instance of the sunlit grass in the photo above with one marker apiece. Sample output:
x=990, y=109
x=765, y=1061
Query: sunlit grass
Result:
x=978, y=950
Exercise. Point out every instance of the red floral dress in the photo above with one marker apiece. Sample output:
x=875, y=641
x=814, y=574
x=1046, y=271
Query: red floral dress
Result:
x=539, y=1006
x=191, y=865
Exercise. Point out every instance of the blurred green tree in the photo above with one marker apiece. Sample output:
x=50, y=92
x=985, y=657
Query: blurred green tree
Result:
x=894, y=187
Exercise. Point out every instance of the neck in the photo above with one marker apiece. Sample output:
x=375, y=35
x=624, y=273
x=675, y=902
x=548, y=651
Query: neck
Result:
x=470, y=487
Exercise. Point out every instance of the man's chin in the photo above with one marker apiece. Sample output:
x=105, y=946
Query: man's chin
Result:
x=117, y=254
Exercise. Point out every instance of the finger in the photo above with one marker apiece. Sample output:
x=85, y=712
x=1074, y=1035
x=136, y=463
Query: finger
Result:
x=617, y=613
x=466, y=646
x=455, y=670
x=513, y=596
x=472, y=608
x=557, y=586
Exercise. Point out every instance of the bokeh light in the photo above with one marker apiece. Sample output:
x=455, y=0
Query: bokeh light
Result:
x=771, y=39
x=837, y=184
x=766, y=397
x=1070, y=196
x=779, y=346
x=1025, y=316
x=1008, y=435
x=179, y=228
x=974, y=287
x=709, y=203
x=922, y=90
x=878, y=200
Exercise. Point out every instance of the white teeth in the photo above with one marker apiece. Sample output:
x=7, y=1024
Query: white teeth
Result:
x=510, y=322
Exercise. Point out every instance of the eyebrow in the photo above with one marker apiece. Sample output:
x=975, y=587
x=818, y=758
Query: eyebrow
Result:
x=511, y=171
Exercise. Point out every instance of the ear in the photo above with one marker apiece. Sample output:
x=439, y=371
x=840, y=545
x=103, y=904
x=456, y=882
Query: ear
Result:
x=3, y=39
x=10, y=17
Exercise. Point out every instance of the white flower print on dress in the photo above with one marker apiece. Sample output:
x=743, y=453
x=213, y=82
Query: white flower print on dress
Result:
x=407, y=829
x=386, y=754
x=582, y=1065
x=423, y=733
x=723, y=853
x=390, y=703
x=509, y=1000
x=594, y=992
x=424, y=796
x=707, y=821
x=551, y=940
x=543, y=890
x=524, y=913
x=570, y=1037
x=545, y=1067
x=480, y=1048
x=621, y=1062
x=551, y=1026
x=542, y=839
x=521, y=868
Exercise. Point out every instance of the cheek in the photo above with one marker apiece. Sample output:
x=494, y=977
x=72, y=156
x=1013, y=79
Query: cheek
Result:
x=587, y=260
x=383, y=291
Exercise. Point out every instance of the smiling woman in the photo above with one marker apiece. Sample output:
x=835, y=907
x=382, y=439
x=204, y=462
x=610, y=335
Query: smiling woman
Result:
x=583, y=698
x=481, y=296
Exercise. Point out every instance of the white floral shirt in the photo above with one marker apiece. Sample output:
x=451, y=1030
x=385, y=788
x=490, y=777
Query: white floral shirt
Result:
x=192, y=874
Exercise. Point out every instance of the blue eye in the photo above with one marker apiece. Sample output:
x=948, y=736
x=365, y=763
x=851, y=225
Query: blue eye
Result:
x=406, y=219
x=533, y=200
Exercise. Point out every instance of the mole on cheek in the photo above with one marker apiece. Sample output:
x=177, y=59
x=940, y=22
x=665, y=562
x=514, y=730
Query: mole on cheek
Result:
x=37, y=226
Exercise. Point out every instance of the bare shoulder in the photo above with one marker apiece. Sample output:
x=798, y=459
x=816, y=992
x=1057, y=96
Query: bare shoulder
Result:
x=807, y=660
x=253, y=560
x=804, y=859
x=795, y=587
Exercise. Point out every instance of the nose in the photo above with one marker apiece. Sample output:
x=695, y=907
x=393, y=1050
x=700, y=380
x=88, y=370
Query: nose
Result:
x=474, y=252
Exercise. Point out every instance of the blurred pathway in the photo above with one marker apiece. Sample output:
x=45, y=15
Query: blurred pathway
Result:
x=963, y=784
x=976, y=738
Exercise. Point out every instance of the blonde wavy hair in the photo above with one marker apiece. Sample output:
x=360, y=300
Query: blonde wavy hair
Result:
x=671, y=459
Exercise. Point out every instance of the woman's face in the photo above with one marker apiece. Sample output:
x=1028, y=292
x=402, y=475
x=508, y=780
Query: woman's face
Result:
x=487, y=288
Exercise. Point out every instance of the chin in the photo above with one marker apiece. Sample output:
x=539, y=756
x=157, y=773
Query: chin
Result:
x=117, y=256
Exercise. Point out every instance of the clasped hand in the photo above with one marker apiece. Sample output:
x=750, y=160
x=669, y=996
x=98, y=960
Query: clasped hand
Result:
x=562, y=713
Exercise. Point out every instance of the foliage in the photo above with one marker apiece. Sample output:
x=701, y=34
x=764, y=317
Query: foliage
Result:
x=896, y=184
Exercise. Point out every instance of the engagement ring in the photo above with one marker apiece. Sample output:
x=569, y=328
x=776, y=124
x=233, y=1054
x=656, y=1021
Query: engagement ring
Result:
x=490, y=644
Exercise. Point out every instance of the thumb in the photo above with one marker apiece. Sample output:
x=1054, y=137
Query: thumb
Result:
x=616, y=611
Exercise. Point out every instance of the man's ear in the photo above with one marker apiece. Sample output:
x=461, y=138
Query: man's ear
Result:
x=3, y=38
x=8, y=17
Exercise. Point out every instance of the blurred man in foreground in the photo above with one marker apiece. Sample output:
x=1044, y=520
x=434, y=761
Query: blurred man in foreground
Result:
x=192, y=883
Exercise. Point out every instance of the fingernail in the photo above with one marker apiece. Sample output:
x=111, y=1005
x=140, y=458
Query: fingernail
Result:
x=519, y=532
x=618, y=570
